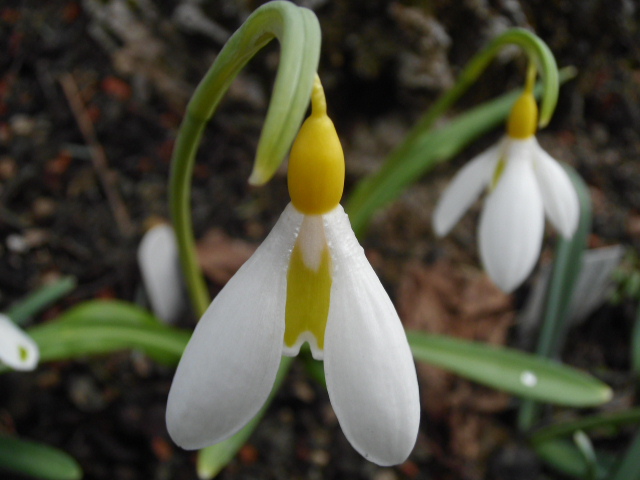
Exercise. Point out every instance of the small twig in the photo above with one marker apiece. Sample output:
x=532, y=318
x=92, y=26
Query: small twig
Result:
x=98, y=156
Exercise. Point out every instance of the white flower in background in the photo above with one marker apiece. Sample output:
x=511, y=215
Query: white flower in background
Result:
x=309, y=281
x=17, y=349
x=161, y=274
x=524, y=183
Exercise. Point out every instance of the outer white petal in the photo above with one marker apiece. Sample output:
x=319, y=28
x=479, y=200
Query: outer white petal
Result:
x=230, y=363
x=17, y=349
x=559, y=197
x=161, y=274
x=465, y=188
x=512, y=220
x=371, y=377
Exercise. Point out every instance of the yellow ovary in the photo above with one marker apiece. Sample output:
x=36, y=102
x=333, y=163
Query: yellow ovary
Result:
x=316, y=163
x=523, y=119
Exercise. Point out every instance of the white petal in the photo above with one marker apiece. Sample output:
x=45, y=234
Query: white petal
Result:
x=161, y=274
x=230, y=363
x=559, y=197
x=371, y=377
x=465, y=188
x=17, y=349
x=512, y=220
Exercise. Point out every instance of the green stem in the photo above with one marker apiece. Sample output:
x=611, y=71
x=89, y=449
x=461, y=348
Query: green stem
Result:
x=298, y=32
x=539, y=54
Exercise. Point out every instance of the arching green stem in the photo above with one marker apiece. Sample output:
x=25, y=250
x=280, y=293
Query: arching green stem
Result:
x=539, y=56
x=298, y=32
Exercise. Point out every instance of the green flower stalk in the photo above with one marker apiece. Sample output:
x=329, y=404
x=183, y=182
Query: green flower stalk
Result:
x=298, y=32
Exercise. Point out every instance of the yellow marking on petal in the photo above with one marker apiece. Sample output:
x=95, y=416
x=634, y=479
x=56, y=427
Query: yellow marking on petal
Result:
x=523, y=119
x=308, y=296
x=316, y=162
x=23, y=353
x=497, y=173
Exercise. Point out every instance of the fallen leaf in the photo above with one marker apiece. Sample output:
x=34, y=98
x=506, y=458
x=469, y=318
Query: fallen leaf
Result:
x=220, y=256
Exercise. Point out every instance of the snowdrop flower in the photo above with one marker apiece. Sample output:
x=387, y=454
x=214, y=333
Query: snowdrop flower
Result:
x=310, y=282
x=17, y=349
x=524, y=183
x=160, y=269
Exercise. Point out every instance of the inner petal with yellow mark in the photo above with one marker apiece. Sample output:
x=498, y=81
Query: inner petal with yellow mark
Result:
x=308, y=289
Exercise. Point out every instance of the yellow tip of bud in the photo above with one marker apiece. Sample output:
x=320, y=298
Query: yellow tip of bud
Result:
x=523, y=119
x=316, y=162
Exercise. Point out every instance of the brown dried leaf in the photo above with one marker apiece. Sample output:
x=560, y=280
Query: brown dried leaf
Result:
x=221, y=256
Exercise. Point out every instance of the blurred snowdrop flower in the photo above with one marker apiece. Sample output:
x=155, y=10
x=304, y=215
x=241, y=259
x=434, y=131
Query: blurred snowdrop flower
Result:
x=160, y=269
x=309, y=281
x=524, y=183
x=17, y=349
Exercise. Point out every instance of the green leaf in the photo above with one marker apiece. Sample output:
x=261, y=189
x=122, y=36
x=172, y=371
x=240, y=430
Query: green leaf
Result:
x=104, y=326
x=629, y=467
x=37, y=460
x=585, y=447
x=109, y=311
x=566, y=269
x=213, y=459
x=37, y=301
x=510, y=370
x=565, y=457
x=610, y=422
x=546, y=438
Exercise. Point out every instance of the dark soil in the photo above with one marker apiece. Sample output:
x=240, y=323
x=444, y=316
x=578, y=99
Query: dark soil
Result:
x=131, y=67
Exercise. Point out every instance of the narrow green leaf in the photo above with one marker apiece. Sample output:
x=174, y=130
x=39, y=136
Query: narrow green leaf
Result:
x=109, y=311
x=37, y=460
x=510, y=370
x=68, y=340
x=566, y=270
x=565, y=457
x=629, y=467
x=37, y=301
x=608, y=421
x=104, y=326
x=585, y=447
x=213, y=459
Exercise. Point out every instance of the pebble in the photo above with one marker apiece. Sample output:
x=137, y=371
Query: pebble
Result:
x=16, y=243
x=320, y=457
x=385, y=474
x=22, y=124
